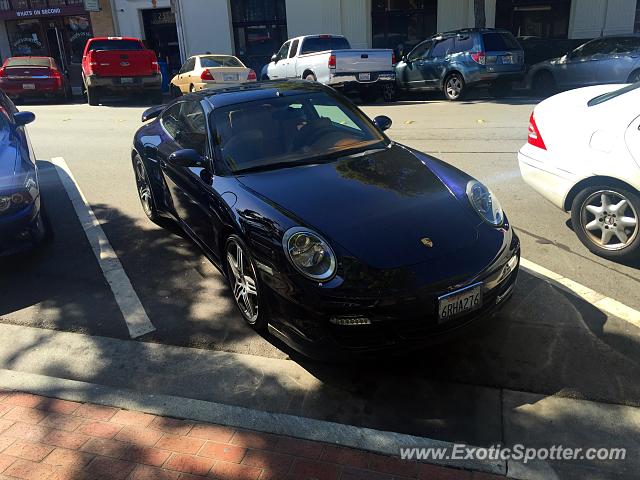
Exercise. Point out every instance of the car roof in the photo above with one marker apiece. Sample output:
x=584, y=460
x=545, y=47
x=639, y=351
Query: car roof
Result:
x=248, y=92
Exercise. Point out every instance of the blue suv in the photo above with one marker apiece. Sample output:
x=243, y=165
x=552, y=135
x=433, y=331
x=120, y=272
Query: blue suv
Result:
x=454, y=61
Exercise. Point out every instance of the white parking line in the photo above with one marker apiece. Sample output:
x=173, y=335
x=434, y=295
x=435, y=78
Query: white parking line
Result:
x=601, y=302
x=132, y=310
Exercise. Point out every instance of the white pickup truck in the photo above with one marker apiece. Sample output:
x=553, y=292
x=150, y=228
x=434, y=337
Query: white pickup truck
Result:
x=330, y=60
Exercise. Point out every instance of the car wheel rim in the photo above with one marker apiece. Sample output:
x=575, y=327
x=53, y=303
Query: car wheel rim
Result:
x=609, y=220
x=144, y=190
x=243, y=281
x=454, y=87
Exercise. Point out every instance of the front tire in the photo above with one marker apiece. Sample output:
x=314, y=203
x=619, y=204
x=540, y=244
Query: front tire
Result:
x=454, y=87
x=544, y=84
x=145, y=192
x=175, y=92
x=245, y=283
x=605, y=219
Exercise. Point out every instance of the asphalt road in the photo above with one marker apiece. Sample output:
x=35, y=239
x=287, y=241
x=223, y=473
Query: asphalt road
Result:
x=545, y=341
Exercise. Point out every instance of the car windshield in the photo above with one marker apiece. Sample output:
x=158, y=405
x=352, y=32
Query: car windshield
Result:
x=499, y=41
x=321, y=44
x=28, y=62
x=291, y=130
x=115, y=45
x=220, y=61
x=611, y=95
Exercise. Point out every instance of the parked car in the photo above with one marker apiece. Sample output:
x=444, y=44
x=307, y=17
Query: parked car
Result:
x=583, y=154
x=330, y=235
x=614, y=59
x=330, y=60
x=207, y=71
x=34, y=77
x=455, y=61
x=22, y=219
x=115, y=65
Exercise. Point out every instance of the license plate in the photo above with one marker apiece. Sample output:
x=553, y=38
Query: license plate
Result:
x=507, y=59
x=458, y=303
x=365, y=77
x=230, y=77
x=126, y=80
x=28, y=86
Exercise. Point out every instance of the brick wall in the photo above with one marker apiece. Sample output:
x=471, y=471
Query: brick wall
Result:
x=102, y=22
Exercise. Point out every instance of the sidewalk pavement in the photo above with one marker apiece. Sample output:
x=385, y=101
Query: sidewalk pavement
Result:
x=51, y=439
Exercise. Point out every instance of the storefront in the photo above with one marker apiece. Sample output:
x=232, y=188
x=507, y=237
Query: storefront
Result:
x=161, y=36
x=50, y=28
x=534, y=18
x=402, y=24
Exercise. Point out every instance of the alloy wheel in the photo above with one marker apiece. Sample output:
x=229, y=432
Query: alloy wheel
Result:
x=244, y=282
x=609, y=220
x=454, y=87
x=144, y=189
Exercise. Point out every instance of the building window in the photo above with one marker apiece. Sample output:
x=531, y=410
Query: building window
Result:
x=526, y=18
x=259, y=29
x=637, y=24
x=402, y=24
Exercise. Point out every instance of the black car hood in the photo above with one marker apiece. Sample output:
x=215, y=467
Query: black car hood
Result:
x=378, y=206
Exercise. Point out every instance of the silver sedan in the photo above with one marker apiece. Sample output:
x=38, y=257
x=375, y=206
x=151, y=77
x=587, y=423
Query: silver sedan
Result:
x=614, y=59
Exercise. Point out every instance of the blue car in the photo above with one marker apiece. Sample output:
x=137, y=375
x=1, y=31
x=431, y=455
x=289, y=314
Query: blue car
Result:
x=453, y=62
x=331, y=236
x=22, y=223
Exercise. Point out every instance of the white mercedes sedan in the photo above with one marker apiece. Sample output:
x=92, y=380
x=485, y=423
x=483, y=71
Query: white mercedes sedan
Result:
x=583, y=154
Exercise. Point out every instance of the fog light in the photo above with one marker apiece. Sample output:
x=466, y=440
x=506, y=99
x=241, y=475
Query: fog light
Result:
x=350, y=320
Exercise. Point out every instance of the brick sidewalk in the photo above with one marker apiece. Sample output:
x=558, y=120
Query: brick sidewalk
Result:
x=45, y=439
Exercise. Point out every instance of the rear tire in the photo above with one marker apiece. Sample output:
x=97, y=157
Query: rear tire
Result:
x=145, y=192
x=544, y=83
x=93, y=98
x=600, y=229
x=310, y=77
x=389, y=92
x=634, y=77
x=454, y=87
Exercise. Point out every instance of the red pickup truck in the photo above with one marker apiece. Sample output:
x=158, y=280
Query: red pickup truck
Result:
x=120, y=64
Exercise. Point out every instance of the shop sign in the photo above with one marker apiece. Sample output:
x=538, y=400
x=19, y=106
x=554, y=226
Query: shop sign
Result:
x=42, y=12
x=92, y=5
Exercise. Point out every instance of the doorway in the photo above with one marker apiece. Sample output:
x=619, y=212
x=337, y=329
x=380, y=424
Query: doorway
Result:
x=161, y=35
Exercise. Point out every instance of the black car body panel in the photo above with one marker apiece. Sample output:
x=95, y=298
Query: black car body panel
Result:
x=374, y=207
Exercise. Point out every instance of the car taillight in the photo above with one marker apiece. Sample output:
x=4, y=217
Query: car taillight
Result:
x=207, y=76
x=394, y=60
x=57, y=76
x=252, y=77
x=3, y=72
x=155, y=67
x=479, y=57
x=332, y=61
x=535, y=138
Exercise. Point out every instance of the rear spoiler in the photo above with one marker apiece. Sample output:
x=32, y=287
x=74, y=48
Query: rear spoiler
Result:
x=152, y=113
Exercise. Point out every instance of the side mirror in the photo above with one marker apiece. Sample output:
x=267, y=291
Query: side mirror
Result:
x=403, y=58
x=23, y=118
x=382, y=122
x=185, y=158
x=274, y=58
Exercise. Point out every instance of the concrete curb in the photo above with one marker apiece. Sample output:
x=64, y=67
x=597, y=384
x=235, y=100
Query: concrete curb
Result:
x=386, y=443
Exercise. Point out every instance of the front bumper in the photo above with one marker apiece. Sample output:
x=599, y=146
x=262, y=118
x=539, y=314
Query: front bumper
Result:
x=117, y=84
x=539, y=174
x=21, y=231
x=398, y=325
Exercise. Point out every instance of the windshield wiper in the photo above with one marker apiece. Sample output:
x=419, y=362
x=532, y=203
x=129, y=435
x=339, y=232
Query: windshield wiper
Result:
x=322, y=158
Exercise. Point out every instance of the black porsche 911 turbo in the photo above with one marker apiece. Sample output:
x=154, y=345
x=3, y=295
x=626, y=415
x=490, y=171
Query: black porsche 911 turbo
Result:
x=332, y=236
x=22, y=222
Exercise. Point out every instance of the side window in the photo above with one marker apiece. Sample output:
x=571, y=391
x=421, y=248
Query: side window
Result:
x=284, y=50
x=171, y=120
x=442, y=48
x=294, y=48
x=627, y=44
x=191, y=65
x=420, y=51
x=463, y=44
x=193, y=127
x=589, y=49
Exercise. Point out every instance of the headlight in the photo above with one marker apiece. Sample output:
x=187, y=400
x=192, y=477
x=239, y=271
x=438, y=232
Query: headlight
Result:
x=309, y=253
x=485, y=203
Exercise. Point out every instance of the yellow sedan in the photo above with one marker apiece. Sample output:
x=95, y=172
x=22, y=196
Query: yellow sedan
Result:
x=209, y=71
